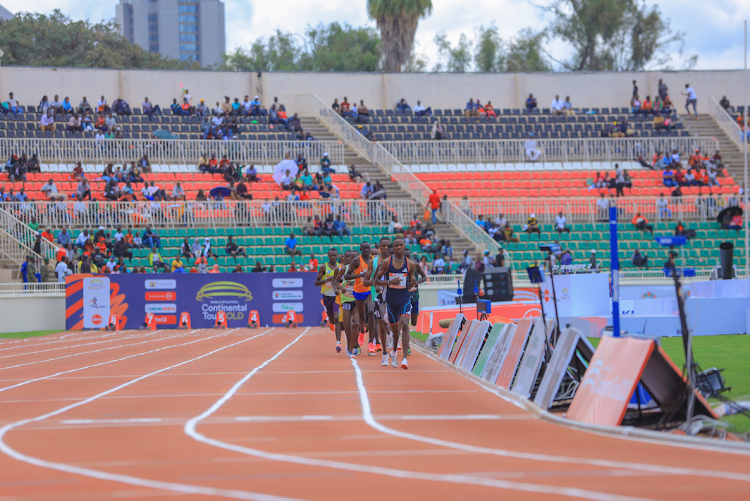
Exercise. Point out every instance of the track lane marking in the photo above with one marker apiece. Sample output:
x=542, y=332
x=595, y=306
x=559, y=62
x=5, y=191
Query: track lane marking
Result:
x=190, y=430
x=128, y=479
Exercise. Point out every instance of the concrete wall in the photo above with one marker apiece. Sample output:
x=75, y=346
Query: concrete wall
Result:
x=505, y=90
x=32, y=314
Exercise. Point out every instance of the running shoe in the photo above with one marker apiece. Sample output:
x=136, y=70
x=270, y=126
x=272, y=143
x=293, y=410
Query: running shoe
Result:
x=350, y=354
x=371, y=350
x=357, y=351
x=361, y=339
x=384, y=360
x=389, y=341
x=338, y=347
x=408, y=352
x=394, y=359
x=404, y=363
x=378, y=347
x=399, y=346
x=332, y=327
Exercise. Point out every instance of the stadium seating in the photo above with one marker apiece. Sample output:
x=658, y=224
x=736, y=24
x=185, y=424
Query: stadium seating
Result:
x=391, y=125
x=702, y=251
x=191, y=180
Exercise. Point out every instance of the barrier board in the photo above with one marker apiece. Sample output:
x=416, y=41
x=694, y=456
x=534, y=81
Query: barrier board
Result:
x=487, y=349
x=463, y=343
x=532, y=359
x=563, y=357
x=492, y=369
x=132, y=296
x=450, y=336
x=477, y=340
x=515, y=350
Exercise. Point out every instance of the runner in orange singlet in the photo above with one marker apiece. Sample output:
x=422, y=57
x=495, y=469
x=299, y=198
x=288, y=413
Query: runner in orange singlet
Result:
x=362, y=293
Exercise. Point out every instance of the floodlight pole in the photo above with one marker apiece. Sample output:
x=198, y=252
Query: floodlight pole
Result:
x=615, y=268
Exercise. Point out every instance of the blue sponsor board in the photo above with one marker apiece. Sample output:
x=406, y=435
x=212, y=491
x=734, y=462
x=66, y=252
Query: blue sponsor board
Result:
x=166, y=296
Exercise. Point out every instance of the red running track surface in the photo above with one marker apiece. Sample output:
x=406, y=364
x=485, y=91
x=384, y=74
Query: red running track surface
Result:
x=277, y=414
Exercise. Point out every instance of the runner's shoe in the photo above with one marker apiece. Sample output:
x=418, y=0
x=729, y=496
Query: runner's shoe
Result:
x=399, y=346
x=361, y=338
x=332, y=327
x=394, y=359
x=371, y=350
x=378, y=347
x=350, y=354
x=408, y=352
x=357, y=351
x=384, y=360
x=338, y=346
x=404, y=363
x=389, y=341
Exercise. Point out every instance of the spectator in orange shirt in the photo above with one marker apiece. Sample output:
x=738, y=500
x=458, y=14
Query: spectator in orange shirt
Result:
x=488, y=108
x=641, y=223
x=215, y=269
x=313, y=264
x=434, y=203
x=46, y=234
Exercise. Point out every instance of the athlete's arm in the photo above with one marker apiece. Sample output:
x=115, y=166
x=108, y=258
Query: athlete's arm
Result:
x=319, y=280
x=419, y=271
x=382, y=267
x=337, y=285
x=369, y=275
x=352, y=267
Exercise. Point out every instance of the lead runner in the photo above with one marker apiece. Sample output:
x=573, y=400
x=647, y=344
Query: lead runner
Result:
x=395, y=274
x=325, y=280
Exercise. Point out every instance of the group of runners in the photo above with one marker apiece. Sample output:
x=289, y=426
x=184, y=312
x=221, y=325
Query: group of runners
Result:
x=373, y=293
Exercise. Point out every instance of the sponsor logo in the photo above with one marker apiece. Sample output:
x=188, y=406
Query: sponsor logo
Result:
x=287, y=283
x=565, y=293
x=165, y=319
x=219, y=290
x=546, y=296
x=281, y=319
x=161, y=308
x=287, y=295
x=161, y=284
x=284, y=307
x=96, y=319
x=96, y=284
x=161, y=296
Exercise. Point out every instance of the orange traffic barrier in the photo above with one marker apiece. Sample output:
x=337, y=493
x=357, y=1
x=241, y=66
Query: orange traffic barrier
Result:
x=184, y=321
x=221, y=320
x=253, y=321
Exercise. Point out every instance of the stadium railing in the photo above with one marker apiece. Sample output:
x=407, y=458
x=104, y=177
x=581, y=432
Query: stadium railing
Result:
x=47, y=289
x=167, y=151
x=726, y=122
x=551, y=150
x=17, y=239
x=586, y=210
x=232, y=214
x=375, y=153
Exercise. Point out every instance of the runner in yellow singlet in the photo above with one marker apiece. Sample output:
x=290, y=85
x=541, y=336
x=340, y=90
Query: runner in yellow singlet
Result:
x=325, y=279
x=349, y=316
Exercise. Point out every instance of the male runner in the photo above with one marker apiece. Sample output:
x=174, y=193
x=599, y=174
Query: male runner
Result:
x=379, y=308
x=358, y=271
x=325, y=279
x=418, y=278
x=396, y=274
x=350, y=316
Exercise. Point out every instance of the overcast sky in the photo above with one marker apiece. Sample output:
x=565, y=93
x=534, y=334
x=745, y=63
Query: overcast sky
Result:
x=713, y=28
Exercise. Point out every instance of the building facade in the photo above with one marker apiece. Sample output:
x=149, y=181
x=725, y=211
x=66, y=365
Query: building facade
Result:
x=180, y=29
x=5, y=14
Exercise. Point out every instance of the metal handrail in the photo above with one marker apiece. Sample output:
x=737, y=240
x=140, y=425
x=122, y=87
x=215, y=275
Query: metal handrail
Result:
x=167, y=151
x=47, y=289
x=514, y=151
x=726, y=122
x=17, y=230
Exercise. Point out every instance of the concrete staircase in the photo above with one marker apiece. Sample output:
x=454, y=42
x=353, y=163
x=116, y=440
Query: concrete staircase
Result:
x=732, y=157
x=444, y=231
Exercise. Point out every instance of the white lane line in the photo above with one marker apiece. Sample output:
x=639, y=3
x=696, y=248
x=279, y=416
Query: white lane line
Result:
x=93, y=351
x=58, y=348
x=111, y=421
x=391, y=472
x=670, y=470
x=130, y=334
x=128, y=479
x=113, y=361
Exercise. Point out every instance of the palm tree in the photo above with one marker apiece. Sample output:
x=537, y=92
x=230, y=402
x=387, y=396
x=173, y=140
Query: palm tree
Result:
x=397, y=21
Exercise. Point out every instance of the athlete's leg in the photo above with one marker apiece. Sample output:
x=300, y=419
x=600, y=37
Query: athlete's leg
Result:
x=405, y=334
x=351, y=336
x=414, y=310
x=370, y=319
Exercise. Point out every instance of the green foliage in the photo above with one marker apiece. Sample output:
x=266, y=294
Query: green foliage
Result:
x=525, y=52
x=453, y=59
x=31, y=39
x=488, y=52
x=323, y=48
x=399, y=8
x=614, y=35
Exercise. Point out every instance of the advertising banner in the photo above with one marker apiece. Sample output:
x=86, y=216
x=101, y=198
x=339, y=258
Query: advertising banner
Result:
x=90, y=299
x=584, y=295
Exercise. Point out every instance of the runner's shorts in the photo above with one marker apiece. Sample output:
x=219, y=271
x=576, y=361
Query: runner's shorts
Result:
x=396, y=311
x=330, y=304
x=361, y=296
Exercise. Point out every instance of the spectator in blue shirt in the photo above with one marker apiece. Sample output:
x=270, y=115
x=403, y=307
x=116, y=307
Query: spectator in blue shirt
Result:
x=481, y=222
x=150, y=238
x=255, y=106
x=669, y=180
x=403, y=106
x=63, y=238
x=290, y=246
x=66, y=105
x=531, y=102
x=340, y=227
x=471, y=109
x=366, y=190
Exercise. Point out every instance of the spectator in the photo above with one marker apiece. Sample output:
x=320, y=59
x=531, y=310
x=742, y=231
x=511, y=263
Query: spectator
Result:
x=646, y=107
x=421, y=111
x=736, y=223
x=340, y=227
x=641, y=223
x=437, y=130
x=619, y=180
x=435, y=203
x=47, y=122
x=50, y=189
x=290, y=246
x=531, y=102
x=593, y=264
x=639, y=260
x=668, y=178
x=557, y=107
x=75, y=124
x=345, y=107
x=402, y=106
x=150, y=238
x=155, y=261
x=13, y=105
x=150, y=110
x=724, y=103
x=692, y=98
x=560, y=223
x=532, y=226
x=663, y=90
x=471, y=109
x=325, y=163
x=144, y=164
x=233, y=249
x=568, y=107
x=438, y=265
x=84, y=106
x=61, y=270
x=532, y=153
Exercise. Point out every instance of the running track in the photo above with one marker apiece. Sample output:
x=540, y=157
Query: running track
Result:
x=277, y=414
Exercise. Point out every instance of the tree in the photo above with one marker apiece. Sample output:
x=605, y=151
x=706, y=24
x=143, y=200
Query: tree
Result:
x=457, y=59
x=525, y=52
x=613, y=35
x=31, y=39
x=488, y=52
x=397, y=21
x=323, y=48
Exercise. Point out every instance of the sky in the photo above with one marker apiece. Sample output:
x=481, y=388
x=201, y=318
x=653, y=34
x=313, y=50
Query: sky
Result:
x=713, y=28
